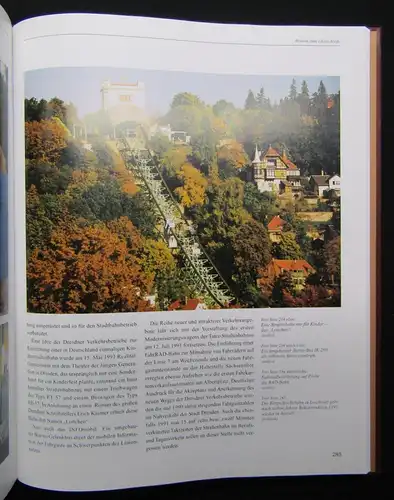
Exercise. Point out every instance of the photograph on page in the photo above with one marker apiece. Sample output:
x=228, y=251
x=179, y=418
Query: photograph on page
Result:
x=4, y=394
x=163, y=191
x=3, y=188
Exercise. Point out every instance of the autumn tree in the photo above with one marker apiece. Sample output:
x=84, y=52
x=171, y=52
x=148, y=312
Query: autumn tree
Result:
x=81, y=181
x=192, y=191
x=310, y=296
x=231, y=158
x=57, y=109
x=91, y=269
x=44, y=141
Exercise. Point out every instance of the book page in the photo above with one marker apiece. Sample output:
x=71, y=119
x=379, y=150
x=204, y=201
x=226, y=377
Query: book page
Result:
x=193, y=251
x=7, y=344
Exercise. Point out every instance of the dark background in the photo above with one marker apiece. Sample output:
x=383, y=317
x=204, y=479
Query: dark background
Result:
x=277, y=12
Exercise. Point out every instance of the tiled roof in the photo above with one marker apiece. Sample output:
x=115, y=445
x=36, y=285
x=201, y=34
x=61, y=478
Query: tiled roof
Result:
x=290, y=164
x=280, y=265
x=271, y=152
x=275, y=223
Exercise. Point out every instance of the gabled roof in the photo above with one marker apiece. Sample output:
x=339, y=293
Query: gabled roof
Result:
x=290, y=164
x=275, y=223
x=321, y=180
x=280, y=265
x=271, y=152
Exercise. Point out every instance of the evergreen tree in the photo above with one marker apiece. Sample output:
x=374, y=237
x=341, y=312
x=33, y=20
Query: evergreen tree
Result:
x=262, y=101
x=303, y=98
x=321, y=91
x=293, y=90
x=250, y=102
x=320, y=100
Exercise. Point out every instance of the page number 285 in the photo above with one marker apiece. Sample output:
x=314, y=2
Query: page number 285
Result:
x=336, y=454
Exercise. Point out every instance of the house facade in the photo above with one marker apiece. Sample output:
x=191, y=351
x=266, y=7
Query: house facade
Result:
x=123, y=101
x=334, y=183
x=298, y=270
x=320, y=184
x=275, y=229
x=270, y=169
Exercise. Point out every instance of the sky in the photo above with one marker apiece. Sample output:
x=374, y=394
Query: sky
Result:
x=81, y=86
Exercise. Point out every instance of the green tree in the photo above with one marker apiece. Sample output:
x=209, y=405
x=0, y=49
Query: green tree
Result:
x=187, y=118
x=48, y=178
x=252, y=249
x=262, y=206
x=223, y=108
x=250, y=102
x=43, y=213
x=319, y=102
x=186, y=99
x=35, y=110
x=219, y=220
x=281, y=288
x=57, y=109
x=262, y=101
x=293, y=90
x=303, y=98
x=288, y=248
x=160, y=143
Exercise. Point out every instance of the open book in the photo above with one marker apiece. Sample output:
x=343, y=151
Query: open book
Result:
x=188, y=251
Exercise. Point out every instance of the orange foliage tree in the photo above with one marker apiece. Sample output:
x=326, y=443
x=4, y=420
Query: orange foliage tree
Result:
x=192, y=192
x=233, y=153
x=45, y=140
x=94, y=269
x=125, y=176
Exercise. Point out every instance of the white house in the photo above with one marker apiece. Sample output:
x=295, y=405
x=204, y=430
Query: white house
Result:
x=334, y=183
x=320, y=184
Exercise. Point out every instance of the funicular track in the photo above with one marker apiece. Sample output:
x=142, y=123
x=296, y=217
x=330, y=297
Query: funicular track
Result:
x=201, y=275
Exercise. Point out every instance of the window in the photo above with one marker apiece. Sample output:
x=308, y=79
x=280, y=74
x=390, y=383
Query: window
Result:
x=271, y=162
x=125, y=98
x=270, y=172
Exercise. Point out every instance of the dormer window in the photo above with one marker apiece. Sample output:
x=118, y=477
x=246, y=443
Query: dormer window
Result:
x=271, y=162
